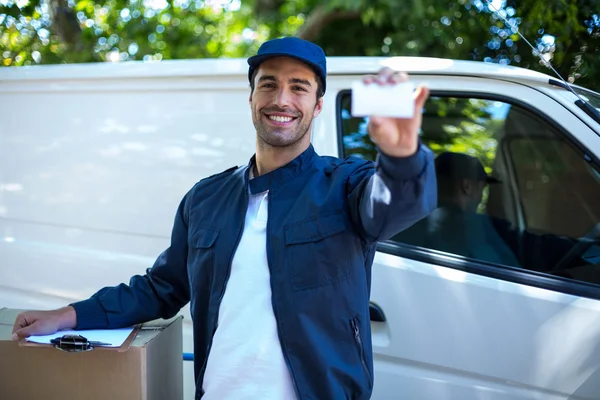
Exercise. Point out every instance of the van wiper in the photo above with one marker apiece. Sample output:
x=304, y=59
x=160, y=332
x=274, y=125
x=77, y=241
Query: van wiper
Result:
x=580, y=102
x=589, y=109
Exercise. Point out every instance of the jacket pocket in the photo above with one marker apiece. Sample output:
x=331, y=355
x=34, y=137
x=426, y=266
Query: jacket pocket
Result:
x=201, y=255
x=317, y=253
x=204, y=238
x=355, y=326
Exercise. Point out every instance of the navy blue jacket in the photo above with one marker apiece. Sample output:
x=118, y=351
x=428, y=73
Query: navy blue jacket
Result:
x=325, y=217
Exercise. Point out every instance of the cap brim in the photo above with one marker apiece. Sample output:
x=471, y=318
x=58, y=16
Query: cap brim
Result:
x=255, y=61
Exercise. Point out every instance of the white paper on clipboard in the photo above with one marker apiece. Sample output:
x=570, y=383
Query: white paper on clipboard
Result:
x=112, y=337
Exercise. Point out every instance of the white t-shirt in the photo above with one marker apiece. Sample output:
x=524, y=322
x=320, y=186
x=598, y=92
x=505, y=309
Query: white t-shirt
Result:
x=246, y=360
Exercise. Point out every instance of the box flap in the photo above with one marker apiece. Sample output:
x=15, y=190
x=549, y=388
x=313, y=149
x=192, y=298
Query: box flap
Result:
x=150, y=329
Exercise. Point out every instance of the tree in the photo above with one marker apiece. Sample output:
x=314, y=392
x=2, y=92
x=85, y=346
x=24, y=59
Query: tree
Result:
x=567, y=32
x=55, y=31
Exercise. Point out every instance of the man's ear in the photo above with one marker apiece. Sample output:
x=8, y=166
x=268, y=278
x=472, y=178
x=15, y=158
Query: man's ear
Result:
x=318, y=107
x=466, y=186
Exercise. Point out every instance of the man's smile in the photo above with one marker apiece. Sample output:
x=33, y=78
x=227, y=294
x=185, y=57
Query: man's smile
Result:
x=280, y=119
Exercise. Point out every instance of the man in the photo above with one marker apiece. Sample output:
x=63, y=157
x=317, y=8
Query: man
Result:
x=456, y=227
x=275, y=257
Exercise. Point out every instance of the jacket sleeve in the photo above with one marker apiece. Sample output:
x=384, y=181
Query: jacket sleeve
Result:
x=392, y=195
x=160, y=293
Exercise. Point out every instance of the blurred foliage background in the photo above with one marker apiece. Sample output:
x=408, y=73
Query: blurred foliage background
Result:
x=72, y=31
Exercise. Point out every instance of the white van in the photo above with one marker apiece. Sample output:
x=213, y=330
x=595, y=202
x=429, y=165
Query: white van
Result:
x=94, y=160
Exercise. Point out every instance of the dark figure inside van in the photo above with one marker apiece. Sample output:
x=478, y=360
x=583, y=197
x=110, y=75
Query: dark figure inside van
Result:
x=456, y=227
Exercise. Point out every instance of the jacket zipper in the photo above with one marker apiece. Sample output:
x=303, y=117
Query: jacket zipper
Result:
x=283, y=349
x=359, y=344
x=214, y=324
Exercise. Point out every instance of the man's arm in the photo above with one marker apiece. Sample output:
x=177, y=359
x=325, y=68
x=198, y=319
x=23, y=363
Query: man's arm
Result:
x=403, y=188
x=397, y=194
x=161, y=292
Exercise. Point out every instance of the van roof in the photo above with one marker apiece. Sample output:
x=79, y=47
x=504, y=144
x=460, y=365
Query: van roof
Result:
x=233, y=67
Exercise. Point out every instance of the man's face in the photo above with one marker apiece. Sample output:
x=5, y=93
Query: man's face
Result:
x=284, y=102
x=474, y=193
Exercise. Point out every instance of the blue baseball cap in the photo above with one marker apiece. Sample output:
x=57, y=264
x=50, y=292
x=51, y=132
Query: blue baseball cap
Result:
x=300, y=49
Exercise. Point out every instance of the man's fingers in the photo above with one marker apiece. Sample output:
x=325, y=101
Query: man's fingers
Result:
x=399, y=77
x=24, y=332
x=368, y=79
x=388, y=75
x=25, y=325
x=20, y=322
x=385, y=77
x=375, y=121
x=421, y=97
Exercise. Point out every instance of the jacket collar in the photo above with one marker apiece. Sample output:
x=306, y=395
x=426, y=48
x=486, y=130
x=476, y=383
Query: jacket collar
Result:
x=281, y=175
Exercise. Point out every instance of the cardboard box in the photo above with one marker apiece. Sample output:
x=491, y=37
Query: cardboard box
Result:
x=148, y=367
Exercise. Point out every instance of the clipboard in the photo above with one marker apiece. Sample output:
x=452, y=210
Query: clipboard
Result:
x=69, y=344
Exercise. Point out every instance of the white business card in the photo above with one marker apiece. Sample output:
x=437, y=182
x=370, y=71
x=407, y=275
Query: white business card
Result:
x=386, y=101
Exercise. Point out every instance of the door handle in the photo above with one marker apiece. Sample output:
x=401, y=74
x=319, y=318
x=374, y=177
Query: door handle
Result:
x=376, y=313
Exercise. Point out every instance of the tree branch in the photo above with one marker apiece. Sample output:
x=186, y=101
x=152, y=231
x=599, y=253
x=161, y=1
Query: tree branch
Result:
x=320, y=18
x=65, y=23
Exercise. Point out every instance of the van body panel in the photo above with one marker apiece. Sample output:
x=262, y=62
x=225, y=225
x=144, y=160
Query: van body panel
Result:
x=94, y=160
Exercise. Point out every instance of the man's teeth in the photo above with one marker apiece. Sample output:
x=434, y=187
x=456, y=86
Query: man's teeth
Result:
x=280, y=119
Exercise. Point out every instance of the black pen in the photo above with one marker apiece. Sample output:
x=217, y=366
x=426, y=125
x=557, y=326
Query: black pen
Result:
x=99, y=343
x=73, y=340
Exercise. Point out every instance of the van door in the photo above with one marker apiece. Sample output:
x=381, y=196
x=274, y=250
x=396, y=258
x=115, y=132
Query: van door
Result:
x=503, y=301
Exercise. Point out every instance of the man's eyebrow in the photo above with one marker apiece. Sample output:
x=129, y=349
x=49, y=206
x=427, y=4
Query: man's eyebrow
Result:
x=267, y=78
x=271, y=78
x=301, y=81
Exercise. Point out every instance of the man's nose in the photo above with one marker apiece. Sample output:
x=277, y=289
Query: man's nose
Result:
x=282, y=97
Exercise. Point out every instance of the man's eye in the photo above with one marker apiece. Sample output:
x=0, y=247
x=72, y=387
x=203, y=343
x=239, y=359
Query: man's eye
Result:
x=299, y=88
x=268, y=85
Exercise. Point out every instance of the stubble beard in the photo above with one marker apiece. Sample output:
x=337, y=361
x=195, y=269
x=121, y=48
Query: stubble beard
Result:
x=277, y=137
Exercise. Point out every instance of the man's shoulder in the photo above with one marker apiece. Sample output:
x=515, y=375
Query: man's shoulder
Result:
x=217, y=178
x=222, y=174
x=347, y=164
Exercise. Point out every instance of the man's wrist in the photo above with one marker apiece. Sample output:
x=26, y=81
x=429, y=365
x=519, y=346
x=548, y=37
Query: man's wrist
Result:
x=68, y=317
x=402, y=168
x=400, y=152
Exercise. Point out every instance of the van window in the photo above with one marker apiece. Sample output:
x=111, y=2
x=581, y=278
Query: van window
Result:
x=512, y=190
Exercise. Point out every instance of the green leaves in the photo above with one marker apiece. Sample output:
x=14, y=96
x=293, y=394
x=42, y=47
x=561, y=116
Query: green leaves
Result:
x=162, y=29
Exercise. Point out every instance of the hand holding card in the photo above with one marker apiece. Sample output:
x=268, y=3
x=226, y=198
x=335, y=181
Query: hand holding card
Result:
x=394, y=111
